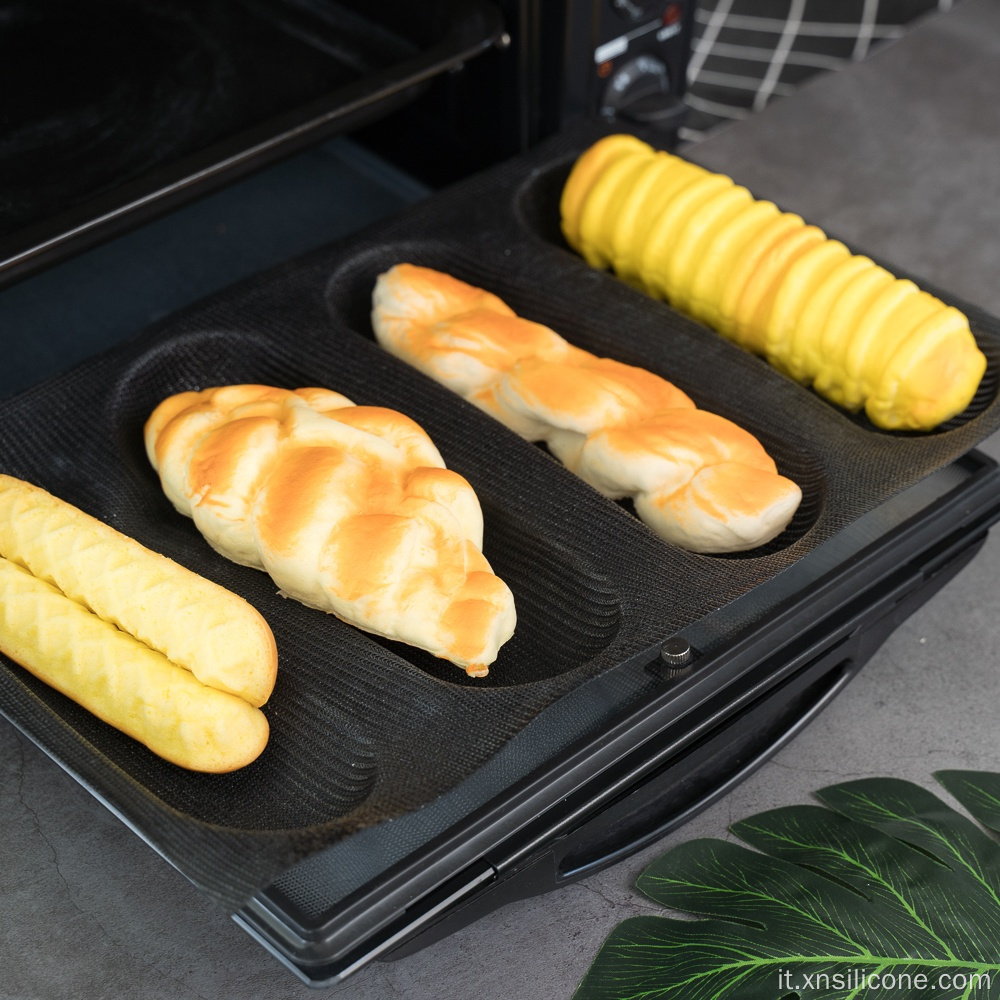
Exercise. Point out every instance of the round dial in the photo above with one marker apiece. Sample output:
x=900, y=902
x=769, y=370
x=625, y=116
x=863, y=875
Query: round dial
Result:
x=639, y=90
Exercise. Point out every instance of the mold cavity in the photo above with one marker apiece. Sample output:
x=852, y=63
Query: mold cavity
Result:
x=194, y=361
x=349, y=297
x=537, y=209
x=296, y=782
x=536, y=203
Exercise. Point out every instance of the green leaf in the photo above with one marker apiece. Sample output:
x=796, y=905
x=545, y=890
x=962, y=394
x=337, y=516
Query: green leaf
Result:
x=978, y=791
x=885, y=892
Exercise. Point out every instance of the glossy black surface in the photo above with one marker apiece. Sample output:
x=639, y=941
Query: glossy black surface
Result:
x=118, y=88
x=112, y=111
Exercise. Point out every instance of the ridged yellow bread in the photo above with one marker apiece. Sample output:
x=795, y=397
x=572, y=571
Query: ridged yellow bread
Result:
x=174, y=660
x=771, y=283
x=588, y=168
x=348, y=508
x=698, y=480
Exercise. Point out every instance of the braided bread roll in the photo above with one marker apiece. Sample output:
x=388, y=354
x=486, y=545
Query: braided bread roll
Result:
x=348, y=508
x=697, y=479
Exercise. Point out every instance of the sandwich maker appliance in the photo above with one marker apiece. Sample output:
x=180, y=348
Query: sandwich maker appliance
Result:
x=399, y=800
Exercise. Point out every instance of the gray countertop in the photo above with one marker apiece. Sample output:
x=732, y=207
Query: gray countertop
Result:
x=899, y=155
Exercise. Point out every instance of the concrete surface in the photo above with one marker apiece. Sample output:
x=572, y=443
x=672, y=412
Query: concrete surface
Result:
x=898, y=155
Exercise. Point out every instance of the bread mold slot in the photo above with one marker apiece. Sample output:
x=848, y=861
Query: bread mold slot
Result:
x=590, y=324
x=709, y=251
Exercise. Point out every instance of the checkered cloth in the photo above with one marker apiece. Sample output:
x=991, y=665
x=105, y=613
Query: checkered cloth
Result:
x=746, y=53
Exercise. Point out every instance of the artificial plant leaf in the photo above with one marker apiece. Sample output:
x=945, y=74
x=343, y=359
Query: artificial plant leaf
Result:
x=806, y=913
x=887, y=893
x=916, y=816
x=884, y=871
x=978, y=791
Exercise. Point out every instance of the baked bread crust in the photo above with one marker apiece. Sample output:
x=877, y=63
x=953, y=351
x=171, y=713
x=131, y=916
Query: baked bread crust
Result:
x=349, y=509
x=697, y=479
x=166, y=656
x=772, y=284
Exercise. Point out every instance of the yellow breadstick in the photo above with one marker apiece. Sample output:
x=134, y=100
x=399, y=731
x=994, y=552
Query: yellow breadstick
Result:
x=194, y=623
x=123, y=681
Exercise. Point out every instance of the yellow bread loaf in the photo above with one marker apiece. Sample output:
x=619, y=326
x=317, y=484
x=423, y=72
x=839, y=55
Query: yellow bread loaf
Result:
x=684, y=259
x=774, y=285
x=624, y=430
x=733, y=282
x=757, y=297
x=602, y=206
x=841, y=377
x=802, y=356
x=628, y=215
x=926, y=379
x=122, y=681
x=799, y=287
x=724, y=248
x=633, y=227
x=667, y=230
x=587, y=169
x=854, y=303
x=348, y=508
x=195, y=623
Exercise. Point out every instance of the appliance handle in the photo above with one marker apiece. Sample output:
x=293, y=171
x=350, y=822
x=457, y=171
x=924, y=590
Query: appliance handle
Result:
x=572, y=858
x=704, y=771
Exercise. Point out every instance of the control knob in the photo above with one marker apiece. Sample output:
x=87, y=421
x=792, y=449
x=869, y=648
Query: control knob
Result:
x=639, y=91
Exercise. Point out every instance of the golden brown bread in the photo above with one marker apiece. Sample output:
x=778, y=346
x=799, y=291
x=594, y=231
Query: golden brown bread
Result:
x=348, y=508
x=697, y=479
x=166, y=656
x=773, y=284
x=195, y=623
x=122, y=681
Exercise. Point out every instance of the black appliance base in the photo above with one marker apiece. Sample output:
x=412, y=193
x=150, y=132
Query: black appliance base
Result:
x=652, y=772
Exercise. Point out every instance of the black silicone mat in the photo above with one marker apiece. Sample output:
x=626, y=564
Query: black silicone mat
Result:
x=364, y=732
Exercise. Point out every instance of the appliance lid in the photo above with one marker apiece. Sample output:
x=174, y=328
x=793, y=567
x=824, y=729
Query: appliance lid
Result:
x=113, y=111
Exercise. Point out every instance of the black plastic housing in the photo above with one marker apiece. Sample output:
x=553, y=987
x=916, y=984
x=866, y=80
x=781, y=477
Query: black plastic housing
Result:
x=394, y=787
x=136, y=107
